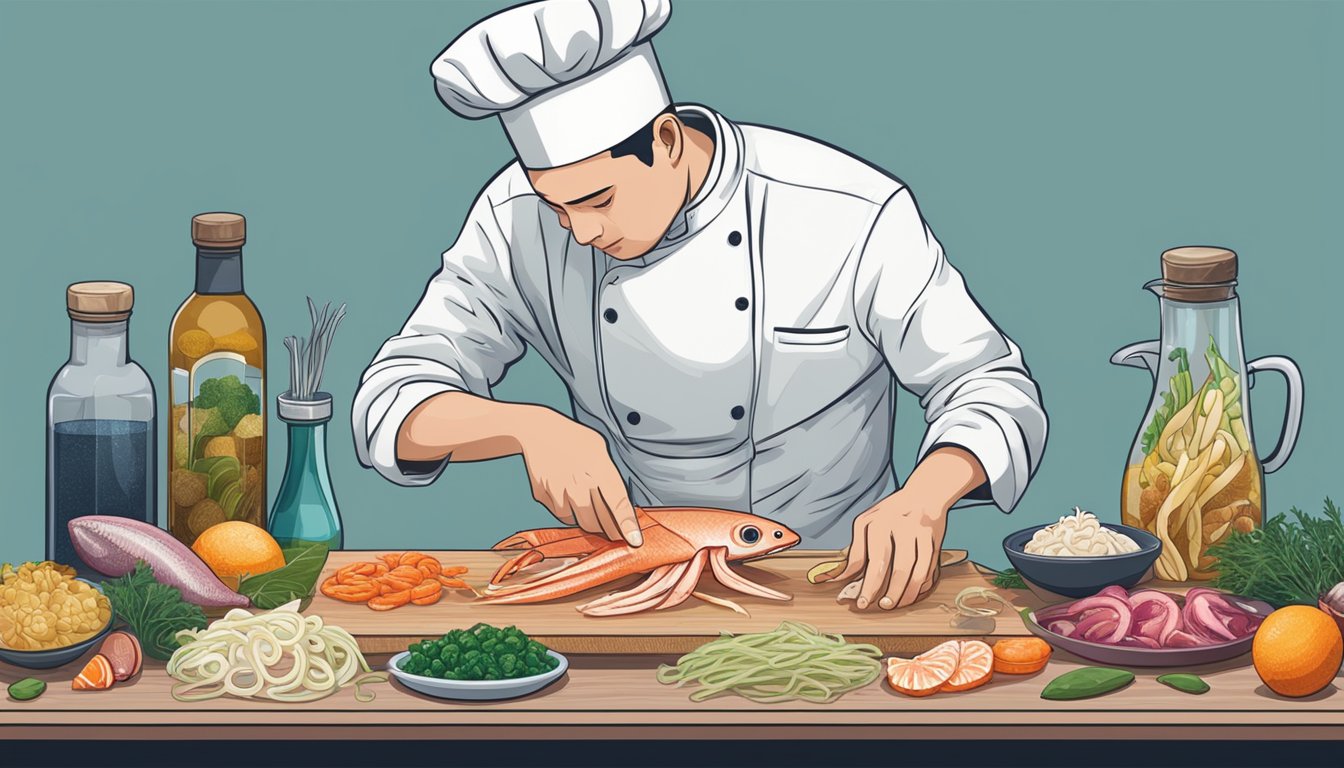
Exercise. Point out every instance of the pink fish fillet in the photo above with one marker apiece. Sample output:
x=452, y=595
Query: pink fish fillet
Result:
x=112, y=545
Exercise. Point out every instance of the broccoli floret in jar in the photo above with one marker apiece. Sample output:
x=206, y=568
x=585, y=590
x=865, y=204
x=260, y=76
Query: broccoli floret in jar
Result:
x=231, y=398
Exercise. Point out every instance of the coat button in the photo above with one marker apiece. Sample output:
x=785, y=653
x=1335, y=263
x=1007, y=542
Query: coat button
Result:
x=632, y=417
x=734, y=238
x=738, y=412
x=610, y=315
x=742, y=303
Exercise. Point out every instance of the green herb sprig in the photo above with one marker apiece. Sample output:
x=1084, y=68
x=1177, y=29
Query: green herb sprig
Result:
x=1284, y=562
x=155, y=612
x=1009, y=579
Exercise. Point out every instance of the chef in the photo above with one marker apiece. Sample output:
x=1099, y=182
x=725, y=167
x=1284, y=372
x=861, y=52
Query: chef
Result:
x=731, y=308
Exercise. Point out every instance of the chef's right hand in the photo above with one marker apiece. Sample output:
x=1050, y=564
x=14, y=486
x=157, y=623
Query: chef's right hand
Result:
x=573, y=476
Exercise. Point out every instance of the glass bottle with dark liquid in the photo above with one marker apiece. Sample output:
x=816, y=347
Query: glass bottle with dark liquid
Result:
x=101, y=434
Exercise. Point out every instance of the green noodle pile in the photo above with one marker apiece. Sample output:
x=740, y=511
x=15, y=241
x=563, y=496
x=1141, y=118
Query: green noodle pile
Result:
x=794, y=661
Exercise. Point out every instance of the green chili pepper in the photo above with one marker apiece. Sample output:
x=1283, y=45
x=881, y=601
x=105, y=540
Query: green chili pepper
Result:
x=27, y=689
x=1185, y=683
x=1086, y=682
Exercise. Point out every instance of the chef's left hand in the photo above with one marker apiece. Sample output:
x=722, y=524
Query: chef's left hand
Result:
x=898, y=542
x=897, y=545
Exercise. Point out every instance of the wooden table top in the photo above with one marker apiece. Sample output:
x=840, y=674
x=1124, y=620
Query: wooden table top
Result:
x=611, y=692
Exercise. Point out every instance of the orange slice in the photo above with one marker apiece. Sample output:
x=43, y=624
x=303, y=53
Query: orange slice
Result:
x=95, y=676
x=974, y=668
x=926, y=673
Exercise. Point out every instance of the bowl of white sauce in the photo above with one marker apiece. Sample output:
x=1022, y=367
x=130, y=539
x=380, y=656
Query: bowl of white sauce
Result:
x=1078, y=556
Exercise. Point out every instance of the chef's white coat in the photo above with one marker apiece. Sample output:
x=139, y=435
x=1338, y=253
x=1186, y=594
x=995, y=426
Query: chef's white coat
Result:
x=748, y=362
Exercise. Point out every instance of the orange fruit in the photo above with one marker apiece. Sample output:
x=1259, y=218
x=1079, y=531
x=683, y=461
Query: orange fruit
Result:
x=975, y=667
x=1021, y=655
x=234, y=548
x=927, y=672
x=1297, y=650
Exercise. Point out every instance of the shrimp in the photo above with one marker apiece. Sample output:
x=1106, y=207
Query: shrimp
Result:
x=393, y=580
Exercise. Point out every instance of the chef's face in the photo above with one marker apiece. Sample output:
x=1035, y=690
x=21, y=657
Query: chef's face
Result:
x=618, y=204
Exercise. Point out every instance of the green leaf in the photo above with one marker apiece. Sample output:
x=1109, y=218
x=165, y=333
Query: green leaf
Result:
x=1185, y=683
x=303, y=564
x=1086, y=682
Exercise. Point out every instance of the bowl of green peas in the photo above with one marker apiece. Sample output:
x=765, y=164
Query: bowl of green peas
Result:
x=484, y=663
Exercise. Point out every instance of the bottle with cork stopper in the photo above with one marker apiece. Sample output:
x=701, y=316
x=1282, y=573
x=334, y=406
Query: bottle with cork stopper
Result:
x=102, y=452
x=217, y=393
x=1195, y=474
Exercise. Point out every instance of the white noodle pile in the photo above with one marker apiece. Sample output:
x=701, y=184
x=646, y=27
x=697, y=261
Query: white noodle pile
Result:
x=280, y=655
x=1079, y=535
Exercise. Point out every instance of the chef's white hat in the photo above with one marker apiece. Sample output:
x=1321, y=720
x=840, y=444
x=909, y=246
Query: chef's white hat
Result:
x=568, y=78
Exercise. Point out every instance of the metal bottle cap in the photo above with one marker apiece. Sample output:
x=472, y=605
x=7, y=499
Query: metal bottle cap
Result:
x=290, y=409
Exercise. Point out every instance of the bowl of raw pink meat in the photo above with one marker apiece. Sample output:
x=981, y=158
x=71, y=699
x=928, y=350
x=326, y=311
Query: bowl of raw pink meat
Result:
x=1151, y=628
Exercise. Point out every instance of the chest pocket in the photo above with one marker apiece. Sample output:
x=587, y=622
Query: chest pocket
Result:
x=811, y=337
x=677, y=344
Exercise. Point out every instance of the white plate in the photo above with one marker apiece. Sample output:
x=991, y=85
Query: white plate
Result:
x=476, y=690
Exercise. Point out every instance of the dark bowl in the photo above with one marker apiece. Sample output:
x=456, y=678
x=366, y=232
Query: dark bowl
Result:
x=56, y=657
x=1083, y=576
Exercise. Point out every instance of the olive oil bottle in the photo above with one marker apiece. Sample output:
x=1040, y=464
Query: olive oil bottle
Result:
x=217, y=390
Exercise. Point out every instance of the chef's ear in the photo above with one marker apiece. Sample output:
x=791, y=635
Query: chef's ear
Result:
x=670, y=136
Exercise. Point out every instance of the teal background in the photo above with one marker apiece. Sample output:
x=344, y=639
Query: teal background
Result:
x=1055, y=148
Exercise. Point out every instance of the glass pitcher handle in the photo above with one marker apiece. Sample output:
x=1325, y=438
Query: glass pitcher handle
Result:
x=1292, y=418
x=1143, y=355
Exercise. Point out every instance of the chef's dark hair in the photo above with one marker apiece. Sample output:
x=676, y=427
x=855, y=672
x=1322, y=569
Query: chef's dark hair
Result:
x=640, y=143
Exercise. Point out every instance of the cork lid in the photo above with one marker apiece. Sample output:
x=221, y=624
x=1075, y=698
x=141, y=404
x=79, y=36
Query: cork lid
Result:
x=219, y=230
x=99, y=302
x=1199, y=273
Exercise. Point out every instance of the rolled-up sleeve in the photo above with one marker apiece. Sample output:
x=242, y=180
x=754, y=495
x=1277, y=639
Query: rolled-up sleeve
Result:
x=971, y=379
x=469, y=326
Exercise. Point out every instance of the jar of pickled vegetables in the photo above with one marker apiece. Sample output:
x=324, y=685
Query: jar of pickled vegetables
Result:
x=1193, y=474
x=216, y=386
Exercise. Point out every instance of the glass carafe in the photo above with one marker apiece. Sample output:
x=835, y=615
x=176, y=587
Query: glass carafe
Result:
x=1194, y=474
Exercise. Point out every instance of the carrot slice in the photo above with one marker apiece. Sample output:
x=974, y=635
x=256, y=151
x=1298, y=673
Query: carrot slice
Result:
x=1021, y=655
x=95, y=676
x=975, y=667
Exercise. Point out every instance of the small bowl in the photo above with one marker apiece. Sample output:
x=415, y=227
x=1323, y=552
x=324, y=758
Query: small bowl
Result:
x=476, y=690
x=56, y=657
x=1083, y=576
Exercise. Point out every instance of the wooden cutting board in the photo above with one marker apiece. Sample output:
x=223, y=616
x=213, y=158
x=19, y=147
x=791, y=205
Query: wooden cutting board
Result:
x=676, y=630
